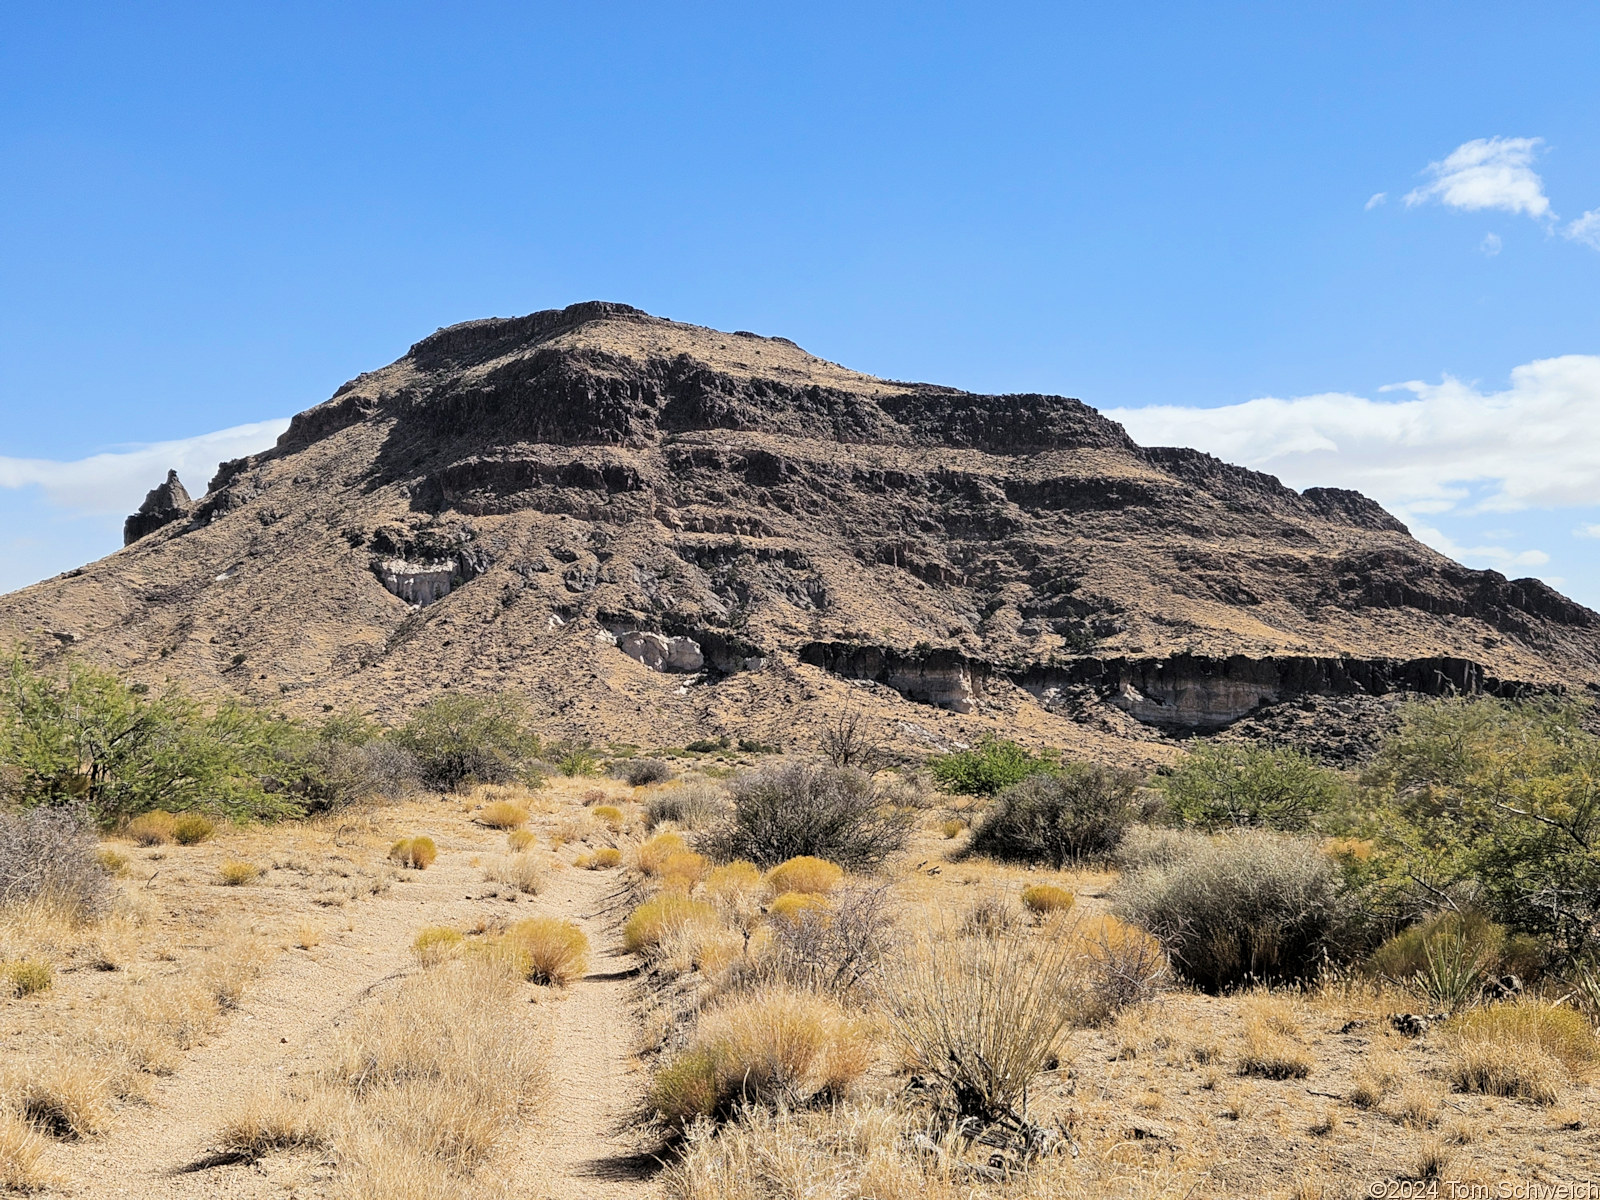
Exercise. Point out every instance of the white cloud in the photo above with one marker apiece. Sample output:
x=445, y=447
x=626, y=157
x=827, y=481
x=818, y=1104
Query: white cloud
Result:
x=115, y=483
x=1490, y=245
x=1587, y=531
x=1586, y=229
x=1377, y=199
x=1501, y=558
x=1449, y=448
x=1487, y=173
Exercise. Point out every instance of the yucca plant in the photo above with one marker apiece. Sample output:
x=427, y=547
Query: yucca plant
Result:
x=1453, y=977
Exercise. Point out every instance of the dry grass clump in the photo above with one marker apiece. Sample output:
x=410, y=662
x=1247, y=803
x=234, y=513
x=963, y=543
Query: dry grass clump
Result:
x=307, y=935
x=953, y=828
x=1271, y=1047
x=111, y=862
x=21, y=1151
x=660, y=916
x=1046, y=899
x=521, y=871
x=503, y=814
x=435, y=944
x=27, y=976
x=234, y=873
x=153, y=828
x=417, y=853
x=191, y=829
x=1374, y=1078
x=608, y=815
x=601, y=860
x=1527, y=1050
x=549, y=950
x=64, y=1096
x=1119, y=964
x=804, y=873
x=778, y=1045
x=990, y=915
x=651, y=856
x=272, y=1121
x=519, y=840
x=981, y=1014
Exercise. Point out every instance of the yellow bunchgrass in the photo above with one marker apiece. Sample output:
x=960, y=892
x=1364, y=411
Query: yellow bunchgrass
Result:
x=111, y=862
x=233, y=873
x=1046, y=899
x=793, y=908
x=521, y=871
x=519, y=840
x=503, y=814
x=153, y=828
x=776, y=1044
x=307, y=935
x=22, y=1149
x=1271, y=1047
x=682, y=869
x=27, y=976
x=812, y=876
x=274, y=1121
x=1528, y=1050
x=549, y=950
x=607, y=857
x=418, y=853
x=734, y=883
x=953, y=828
x=653, y=854
x=435, y=944
x=653, y=920
x=608, y=815
x=191, y=829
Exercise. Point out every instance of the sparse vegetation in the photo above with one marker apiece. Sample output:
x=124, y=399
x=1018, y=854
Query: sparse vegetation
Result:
x=48, y=859
x=1069, y=814
x=549, y=950
x=418, y=853
x=798, y=808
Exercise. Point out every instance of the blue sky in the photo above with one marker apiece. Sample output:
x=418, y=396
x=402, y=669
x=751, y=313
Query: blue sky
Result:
x=210, y=216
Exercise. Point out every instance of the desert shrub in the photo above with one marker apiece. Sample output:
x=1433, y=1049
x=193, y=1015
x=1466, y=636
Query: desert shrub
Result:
x=833, y=945
x=1157, y=846
x=639, y=772
x=1527, y=1049
x=1222, y=786
x=190, y=829
x=1495, y=802
x=683, y=869
x=111, y=861
x=418, y=853
x=234, y=873
x=990, y=767
x=605, y=858
x=153, y=828
x=652, y=854
x=48, y=858
x=344, y=762
x=503, y=814
x=1045, y=899
x=519, y=840
x=798, y=808
x=989, y=915
x=554, y=951
x=792, y=908
x=86, y=736
x=693, y=804
x=1119, y=965
x=850, y=739
x=436, y=943
x=778, y=1046
x=1249, y=906
x=1072, y=813
x=575, y=759
x=1465, y=944
x=28, y=976
x=953, y=828
x=980, y=1015
x=804, y=874
x=457, y=739
x=608, y=815
x=653, y=920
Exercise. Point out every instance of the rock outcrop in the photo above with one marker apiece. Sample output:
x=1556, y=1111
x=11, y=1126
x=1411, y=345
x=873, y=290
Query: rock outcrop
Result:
x=163, y=504
x=657, y=531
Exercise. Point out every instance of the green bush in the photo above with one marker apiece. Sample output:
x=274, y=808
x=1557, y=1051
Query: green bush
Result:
x=991, y=766
x=1221, y=786
x=1249, y=906
x=1070, y=814
x=1406, y=954
x=1495, y=804
x=791, y=809
x=458, y=739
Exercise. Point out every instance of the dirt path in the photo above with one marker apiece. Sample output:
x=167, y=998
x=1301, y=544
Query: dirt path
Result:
x=583, y=1146
x=575, y=1149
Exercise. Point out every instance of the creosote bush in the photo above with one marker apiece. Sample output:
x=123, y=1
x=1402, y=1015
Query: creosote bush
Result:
x=805, y=874
x=457, y=739
x=640, y=772
x=692, y=804
x=1070, y=814
x=1248, y=906
x=799, y=808
x=417, y=853
x=990, y=767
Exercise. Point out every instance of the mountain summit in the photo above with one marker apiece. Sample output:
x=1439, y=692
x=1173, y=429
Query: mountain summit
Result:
x=659, y=531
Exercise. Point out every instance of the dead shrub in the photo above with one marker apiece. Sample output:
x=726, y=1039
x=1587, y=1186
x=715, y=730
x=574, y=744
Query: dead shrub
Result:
x=47, y=861
x=777, y=1046
x=792, y=809
x=1119, y=965
x=640, y=772
x=804, y=874
x=990, y=915
x=981, y=1015
x=550, y=950
x=834, y=947
x=690, y=804
x=417, y=853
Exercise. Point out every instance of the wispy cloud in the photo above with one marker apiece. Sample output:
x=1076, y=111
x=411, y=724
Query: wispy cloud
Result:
x=1377, y=199
x=115, y=482
x=1491, y=244
x=1586, y=229
x=1487, y=173
x=1587, y=531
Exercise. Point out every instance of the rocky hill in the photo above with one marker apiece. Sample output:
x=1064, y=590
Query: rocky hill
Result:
x=659, y=532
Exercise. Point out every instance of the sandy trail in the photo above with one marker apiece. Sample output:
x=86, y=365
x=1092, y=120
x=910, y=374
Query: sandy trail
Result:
x=575, y=1149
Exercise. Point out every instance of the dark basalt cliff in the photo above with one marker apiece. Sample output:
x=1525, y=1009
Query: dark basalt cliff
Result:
x=656, y=529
